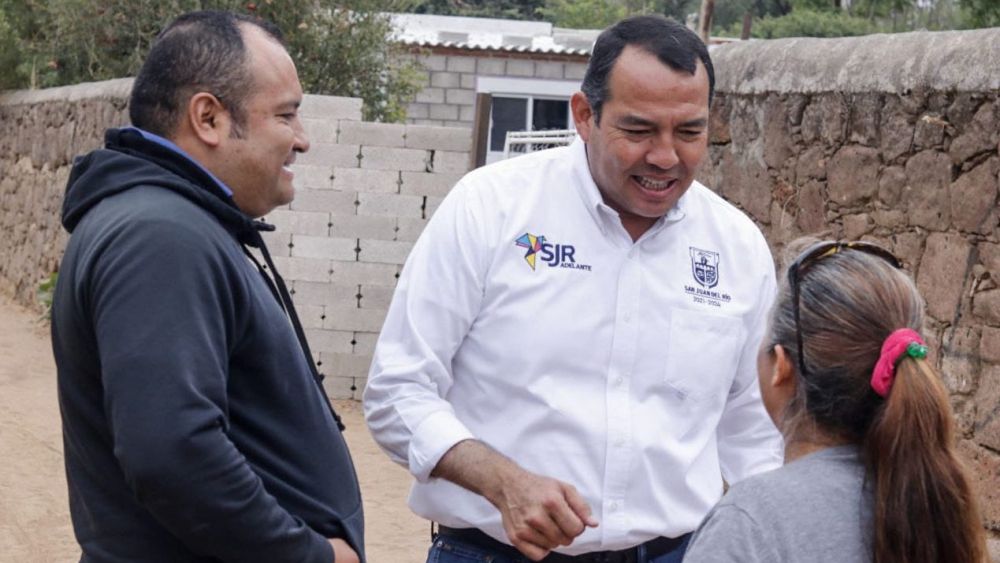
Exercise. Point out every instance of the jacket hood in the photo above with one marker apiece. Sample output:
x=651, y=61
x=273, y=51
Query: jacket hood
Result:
x=129, y=160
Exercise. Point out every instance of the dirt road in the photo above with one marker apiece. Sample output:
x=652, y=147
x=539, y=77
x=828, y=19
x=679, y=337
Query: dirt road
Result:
x=34, y=511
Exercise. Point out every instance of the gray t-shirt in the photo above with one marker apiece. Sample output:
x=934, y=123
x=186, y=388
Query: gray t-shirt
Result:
x=813, y=510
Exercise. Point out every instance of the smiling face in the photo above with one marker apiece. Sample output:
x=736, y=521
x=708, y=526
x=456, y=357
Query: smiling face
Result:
x=652, y=136
x=255, y=162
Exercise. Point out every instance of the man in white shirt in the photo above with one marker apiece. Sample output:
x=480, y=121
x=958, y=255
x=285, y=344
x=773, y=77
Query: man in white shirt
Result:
x=568, y=364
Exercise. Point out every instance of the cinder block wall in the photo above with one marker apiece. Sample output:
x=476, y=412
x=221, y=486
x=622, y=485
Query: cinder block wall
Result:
x=449, y=94
x=363, y=194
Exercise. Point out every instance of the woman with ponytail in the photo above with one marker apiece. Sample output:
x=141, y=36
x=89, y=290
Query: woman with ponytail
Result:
x=870, y=471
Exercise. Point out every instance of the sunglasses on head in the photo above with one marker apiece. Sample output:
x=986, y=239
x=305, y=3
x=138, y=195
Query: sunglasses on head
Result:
x=811, y=256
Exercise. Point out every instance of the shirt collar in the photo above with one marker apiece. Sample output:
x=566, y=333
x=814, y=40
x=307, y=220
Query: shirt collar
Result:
x=594, y=201
x=168, y=144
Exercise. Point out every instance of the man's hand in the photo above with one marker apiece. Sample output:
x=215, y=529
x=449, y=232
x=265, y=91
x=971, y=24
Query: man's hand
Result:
x=539, y=513
x=343, y=552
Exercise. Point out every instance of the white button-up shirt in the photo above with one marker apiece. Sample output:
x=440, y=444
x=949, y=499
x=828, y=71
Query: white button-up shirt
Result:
x=527, y=318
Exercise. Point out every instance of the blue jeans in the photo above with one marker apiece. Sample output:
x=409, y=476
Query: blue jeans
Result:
x=451, y=550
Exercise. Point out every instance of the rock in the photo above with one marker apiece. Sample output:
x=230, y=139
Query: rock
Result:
x=856, y=226
x=777, y=142
x=926, y=194
x=984, y=470
x=811, y=217
x=863, y=122
x=811, y=164
x=942, y=274
x=986, y=306
x=853, y=175
x=718, y=121
x=979, y=137
x=929, y=132
x=896, y=136
x=987, y=399
x=890, y=185
x=960, y=359
x=973, y=197
x=823, y=120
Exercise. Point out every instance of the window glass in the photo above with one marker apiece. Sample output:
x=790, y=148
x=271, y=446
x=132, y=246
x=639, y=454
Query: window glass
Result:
x=509, y=114
x=549, y=114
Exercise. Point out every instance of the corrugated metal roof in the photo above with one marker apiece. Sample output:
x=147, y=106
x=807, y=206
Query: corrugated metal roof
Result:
x=488, y=34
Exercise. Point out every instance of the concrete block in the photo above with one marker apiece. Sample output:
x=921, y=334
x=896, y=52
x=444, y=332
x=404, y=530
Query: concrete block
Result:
x=434, y=62
x=277, y=243
x=428, y=122
x=384, y=251
x=330, y=107
x=364, y=273
x=438, y=138
x=417, y=111
x=320, y=130
x=348, y=319
x=466, y=116
x=385, y=158
x=409, y=228
x=376, y=296
x=359, y=392
x=461, y=64
x=468, y=81
x=574, y=71
x=338, y=387
x=450, y=162
x=322, y=293
x=311, y=316
x=460, y=97
x=324, y=247
x=330, y=341
x=487, y=66
x=421, y=183
x=330, y=201
x=304, y=269
x=300, y=222
x=520, y=67
x=313, y=177
x=390, y=205
x=365, y=227
x=328, y=155
x=549, y=69
x=430, y=96
x=445, y=80
x=372, y=134
x=364, y=343
x=444, y=111
x=363, y=180
x=431, y=204
x=343, y=366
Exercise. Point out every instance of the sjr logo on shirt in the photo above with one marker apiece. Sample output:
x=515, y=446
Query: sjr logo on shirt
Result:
x=553, y=255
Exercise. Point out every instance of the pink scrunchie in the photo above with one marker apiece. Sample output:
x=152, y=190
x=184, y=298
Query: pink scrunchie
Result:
x=892, y=349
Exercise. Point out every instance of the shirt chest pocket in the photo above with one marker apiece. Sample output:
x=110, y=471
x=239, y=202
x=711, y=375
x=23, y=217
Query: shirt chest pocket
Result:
x=703, y=355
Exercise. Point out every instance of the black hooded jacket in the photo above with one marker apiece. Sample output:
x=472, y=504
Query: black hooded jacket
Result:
x=193, y=426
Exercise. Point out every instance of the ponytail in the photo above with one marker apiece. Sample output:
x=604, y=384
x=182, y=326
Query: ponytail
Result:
x=924, y=508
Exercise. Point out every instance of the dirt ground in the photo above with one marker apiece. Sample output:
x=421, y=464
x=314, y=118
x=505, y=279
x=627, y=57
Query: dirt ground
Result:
x=34, y=511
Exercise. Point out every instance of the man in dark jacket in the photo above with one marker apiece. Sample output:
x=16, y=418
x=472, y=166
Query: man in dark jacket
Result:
x=194, y=422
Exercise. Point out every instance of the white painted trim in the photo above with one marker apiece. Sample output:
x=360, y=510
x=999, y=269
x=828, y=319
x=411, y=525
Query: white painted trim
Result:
x=526, y=86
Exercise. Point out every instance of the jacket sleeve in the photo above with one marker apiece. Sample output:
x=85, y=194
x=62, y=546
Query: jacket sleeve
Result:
x=748, y=441
x=436, y=301
x=161, y=297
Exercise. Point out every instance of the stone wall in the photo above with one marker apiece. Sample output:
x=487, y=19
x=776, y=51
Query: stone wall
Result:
x=449, y=94
x=363, y=193
x=892, y=139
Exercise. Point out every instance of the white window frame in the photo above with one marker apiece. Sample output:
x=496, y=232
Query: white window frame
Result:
x=528, y=89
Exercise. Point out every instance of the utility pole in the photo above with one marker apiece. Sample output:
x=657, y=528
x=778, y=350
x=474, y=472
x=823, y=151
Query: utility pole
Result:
x=705, y=19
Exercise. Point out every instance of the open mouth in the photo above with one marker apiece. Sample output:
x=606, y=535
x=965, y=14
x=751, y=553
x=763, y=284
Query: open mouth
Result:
x=653, y=184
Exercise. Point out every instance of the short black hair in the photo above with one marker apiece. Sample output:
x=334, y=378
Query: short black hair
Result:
x=197, y=52
x=673, y=44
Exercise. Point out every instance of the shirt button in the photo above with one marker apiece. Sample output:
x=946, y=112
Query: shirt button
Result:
x=613, y=506
x=619, y=443
x=628, y=317
x=619, y=381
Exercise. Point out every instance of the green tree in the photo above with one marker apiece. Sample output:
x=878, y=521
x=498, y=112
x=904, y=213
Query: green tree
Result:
x=980, y=13
x=9, y=54
x=340, y=47
x=808, y=23
x=503, y=9
x=582, y=14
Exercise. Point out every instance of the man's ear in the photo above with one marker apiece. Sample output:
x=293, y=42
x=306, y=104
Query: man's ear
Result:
x=208, y=118
x=783, y=377
x=582, y=115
